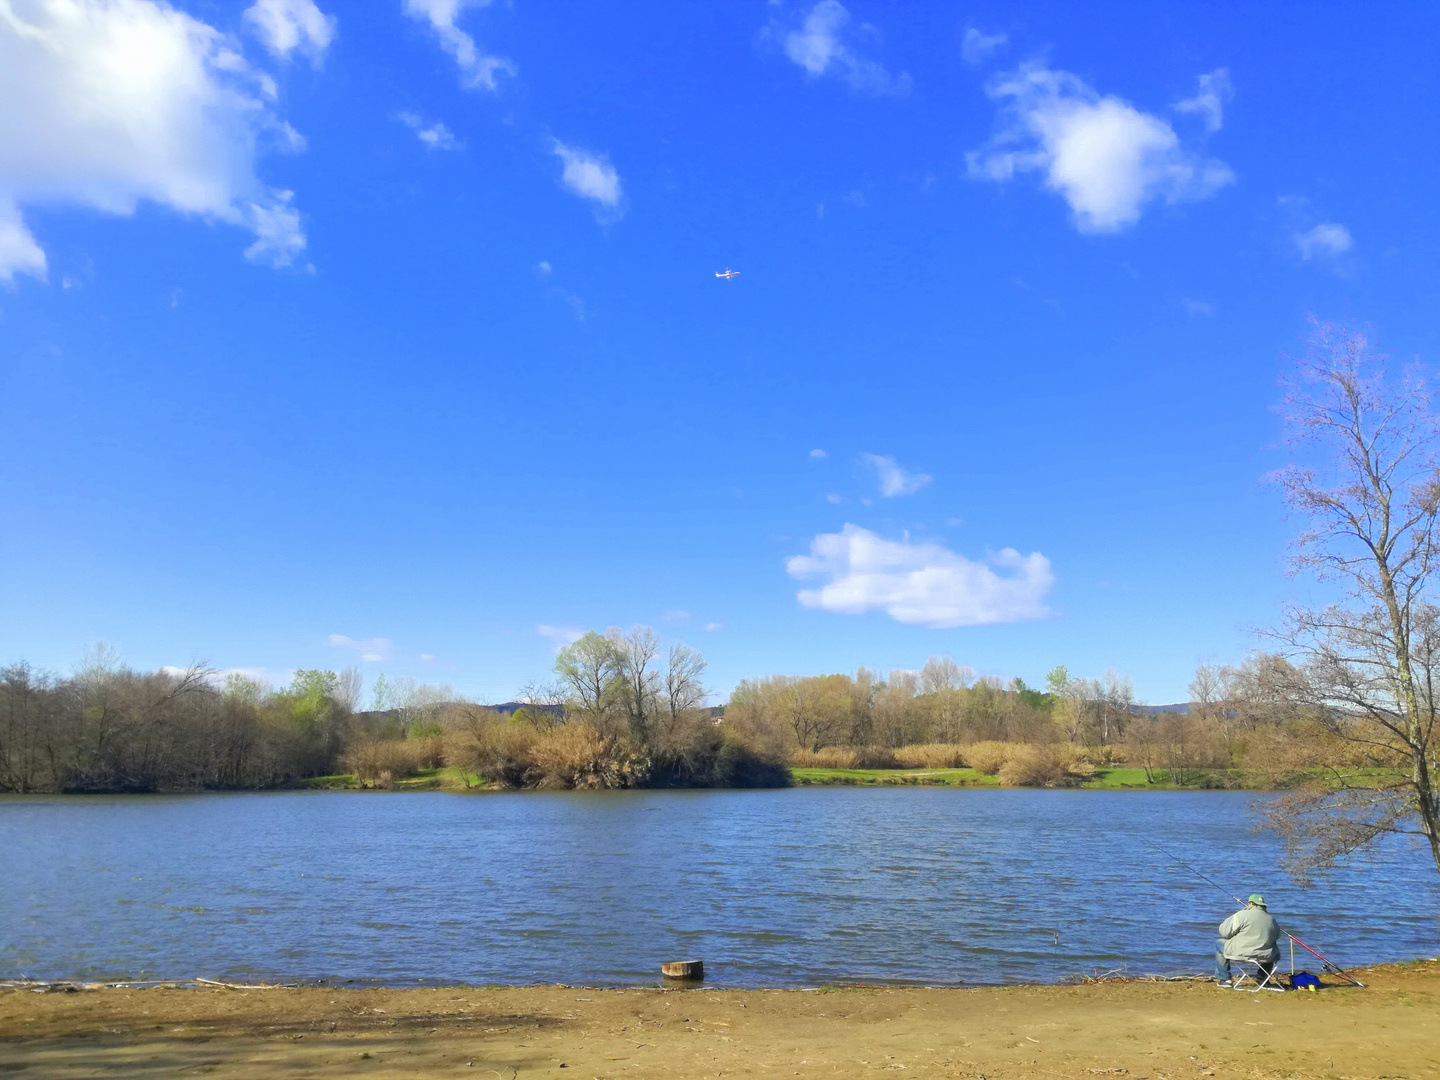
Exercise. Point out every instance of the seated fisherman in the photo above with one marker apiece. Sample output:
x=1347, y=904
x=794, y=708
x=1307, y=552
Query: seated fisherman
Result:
x=1250, y=934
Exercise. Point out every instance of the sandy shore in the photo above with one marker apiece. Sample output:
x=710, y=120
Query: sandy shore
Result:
x=1165, y=1031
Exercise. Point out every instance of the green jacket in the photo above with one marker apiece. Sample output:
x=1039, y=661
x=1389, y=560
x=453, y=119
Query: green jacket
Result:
x=1251, y=934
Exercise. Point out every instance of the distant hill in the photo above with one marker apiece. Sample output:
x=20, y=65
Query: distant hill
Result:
x=1183, y=708
x=509, y=708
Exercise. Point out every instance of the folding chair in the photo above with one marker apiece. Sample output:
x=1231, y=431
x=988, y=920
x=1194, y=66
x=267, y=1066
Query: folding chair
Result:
x=1259, y=976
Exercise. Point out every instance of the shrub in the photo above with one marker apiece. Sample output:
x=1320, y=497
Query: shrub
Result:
x=380, y=762
x=988, y=757
x=576, y=755
x=1099, y=755
x=875, y=757
x=580, y=753
x=504, y=753
x=930, y=756
x=1046, y=765
x=1032, y=766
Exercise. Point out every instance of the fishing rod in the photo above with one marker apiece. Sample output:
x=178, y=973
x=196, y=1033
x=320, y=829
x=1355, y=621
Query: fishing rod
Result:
x=1329, y=965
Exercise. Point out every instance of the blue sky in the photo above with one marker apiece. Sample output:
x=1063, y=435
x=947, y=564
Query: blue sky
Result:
x=390, y=334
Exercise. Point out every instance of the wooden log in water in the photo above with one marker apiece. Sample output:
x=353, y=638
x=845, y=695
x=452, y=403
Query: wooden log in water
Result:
x=692, y=970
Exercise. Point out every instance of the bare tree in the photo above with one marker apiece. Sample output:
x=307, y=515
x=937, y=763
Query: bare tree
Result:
x=1144, y=746
x=349, y=684
x=811, y=728
x=99, y=661
x=1072, y=708
x=1366, y=666
x=861, y=706
x=898, y=720
x=943, y=673
x=638, y=650
x=405, y=698
x=398, y=698
x=1117, y=704
x=807, y=706
x=27, y=710
x=943, y=682
x=1207, y=689
x=683, y=688
x=545, y=702
x=1092, y=711
x=985, y=709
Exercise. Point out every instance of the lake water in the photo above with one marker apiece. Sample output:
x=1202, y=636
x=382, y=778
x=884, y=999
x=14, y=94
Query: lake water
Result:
x=770, y=888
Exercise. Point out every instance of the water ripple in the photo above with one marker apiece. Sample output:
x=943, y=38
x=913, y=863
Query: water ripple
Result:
x=913, y=886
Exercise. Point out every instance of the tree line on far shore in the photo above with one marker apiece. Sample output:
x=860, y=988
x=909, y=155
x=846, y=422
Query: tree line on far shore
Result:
x=622, y=710
x=108, y=728
x=943, y=717
x=620, y=713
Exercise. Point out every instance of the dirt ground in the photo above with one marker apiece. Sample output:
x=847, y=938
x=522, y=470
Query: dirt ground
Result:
x=1134, y=1031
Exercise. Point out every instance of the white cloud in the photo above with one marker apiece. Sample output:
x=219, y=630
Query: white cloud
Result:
x=1209, y=101
x=476, y=68
x=104, y=103
x=893, y=479
x=675, y=616
x=819, y=46
x=922, y=584
x=370, y=649
x=436, y=136
x=588, y=175
x=560, y=635
x=278, y=236
x=834, y=499
x=1196, y=307
x=818, y=455
x=544, y=268
x=978, y=47
x=19, y=253
x=1105, y=157
x=426, y=657
x=287, y=25
x=714, y=626
x=1326, y=239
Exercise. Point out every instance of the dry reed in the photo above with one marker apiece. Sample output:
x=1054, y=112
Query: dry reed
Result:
x=931, y=756
x=989, y=757
x=845, y=757
x=827, y=757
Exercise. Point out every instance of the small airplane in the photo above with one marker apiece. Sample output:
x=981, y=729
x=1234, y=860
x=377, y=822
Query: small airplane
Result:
x=729, y=274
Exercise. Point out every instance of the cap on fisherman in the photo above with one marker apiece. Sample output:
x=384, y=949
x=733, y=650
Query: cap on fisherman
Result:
x=1257, y=899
